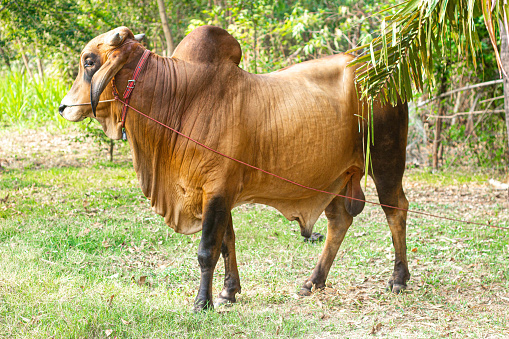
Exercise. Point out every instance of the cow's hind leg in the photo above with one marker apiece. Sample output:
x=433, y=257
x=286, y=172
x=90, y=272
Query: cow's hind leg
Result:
x=388, y=156
x=231, y=277
x=392, y=194
x=215, y=221
x=338, y=223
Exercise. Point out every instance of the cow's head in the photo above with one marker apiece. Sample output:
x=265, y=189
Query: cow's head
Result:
x=100, y=61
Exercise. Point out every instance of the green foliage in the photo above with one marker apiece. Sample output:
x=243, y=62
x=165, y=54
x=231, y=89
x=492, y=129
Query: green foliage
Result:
x=275, y=34
x=30, y=102
x=412, y=39
x=483, y=148
x=46, y=21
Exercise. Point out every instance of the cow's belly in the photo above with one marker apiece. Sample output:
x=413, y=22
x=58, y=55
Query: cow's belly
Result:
x=319, y=152
x=302, y=204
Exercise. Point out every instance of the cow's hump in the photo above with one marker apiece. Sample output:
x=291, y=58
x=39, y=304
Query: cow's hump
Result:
x=209, y=44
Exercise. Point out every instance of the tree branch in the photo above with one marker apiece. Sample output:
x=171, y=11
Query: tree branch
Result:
x=482, y=84
x=463, y=113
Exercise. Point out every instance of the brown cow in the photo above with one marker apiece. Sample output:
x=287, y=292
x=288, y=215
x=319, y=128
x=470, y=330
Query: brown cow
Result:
x=301, y=123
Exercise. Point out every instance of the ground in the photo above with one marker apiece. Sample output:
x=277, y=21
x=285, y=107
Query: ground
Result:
x=82, y=255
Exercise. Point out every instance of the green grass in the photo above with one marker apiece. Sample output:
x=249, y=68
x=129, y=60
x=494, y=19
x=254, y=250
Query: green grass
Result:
x=31, y=103
x=75, y=241
x=448, y=177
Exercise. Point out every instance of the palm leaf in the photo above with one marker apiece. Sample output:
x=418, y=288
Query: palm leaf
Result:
x=412, y=36
x=401, y=58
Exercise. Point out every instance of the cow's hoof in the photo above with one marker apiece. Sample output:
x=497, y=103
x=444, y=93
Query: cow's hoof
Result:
x=306, y=289
x=304, y=292
x=315, y=237
x=223, y=302
x=395, y=288
x=202, y=305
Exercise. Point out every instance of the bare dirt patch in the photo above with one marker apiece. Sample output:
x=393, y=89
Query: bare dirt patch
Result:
x=45, y=149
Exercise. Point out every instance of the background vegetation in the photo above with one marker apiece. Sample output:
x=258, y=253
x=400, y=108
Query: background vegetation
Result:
x=40, y=42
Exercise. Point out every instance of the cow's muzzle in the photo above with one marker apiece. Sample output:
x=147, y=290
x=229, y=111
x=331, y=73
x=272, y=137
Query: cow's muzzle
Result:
x=61, y=109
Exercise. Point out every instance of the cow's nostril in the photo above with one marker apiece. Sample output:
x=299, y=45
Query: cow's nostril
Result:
x=61, y=109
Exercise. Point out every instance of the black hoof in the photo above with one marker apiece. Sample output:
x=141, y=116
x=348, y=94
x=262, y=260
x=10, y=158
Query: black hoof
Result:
x=395, y=288
x=308, y=288
x=315, y=237
x=202, y=305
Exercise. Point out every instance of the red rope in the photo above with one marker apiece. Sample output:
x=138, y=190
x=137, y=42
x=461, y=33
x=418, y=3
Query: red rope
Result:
x=130, y=84
x=304, y=186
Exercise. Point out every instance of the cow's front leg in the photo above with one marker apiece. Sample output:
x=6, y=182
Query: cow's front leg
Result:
x=338, y=223
x=231, y=276
x=215, y=220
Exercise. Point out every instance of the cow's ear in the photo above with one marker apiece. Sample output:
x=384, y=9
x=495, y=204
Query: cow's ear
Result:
x=104, y=75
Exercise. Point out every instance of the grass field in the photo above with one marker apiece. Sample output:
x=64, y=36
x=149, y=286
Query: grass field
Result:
x=83, y=256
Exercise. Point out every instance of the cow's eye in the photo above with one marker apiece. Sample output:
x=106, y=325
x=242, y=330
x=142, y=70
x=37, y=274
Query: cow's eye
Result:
x=88, y=63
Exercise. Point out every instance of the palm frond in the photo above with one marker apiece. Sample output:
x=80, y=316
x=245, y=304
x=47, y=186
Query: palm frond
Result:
x=402, y=57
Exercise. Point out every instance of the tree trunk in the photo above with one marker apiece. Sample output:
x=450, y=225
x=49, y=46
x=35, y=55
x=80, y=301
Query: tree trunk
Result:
x=27, y=67
x=166, y=28
x=164, y=52
x=437, y=140
x=438, y=126
x=456, y=108
x=504, y=55
x=25, y=60
x=112, y=145
x=40, y=68
x=469, y=128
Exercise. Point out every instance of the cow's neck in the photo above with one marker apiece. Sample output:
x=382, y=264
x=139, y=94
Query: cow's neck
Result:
x=152, y=95
x=165, y=93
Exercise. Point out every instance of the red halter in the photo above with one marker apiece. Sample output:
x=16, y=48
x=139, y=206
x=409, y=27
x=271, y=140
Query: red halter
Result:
x=129, y=89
